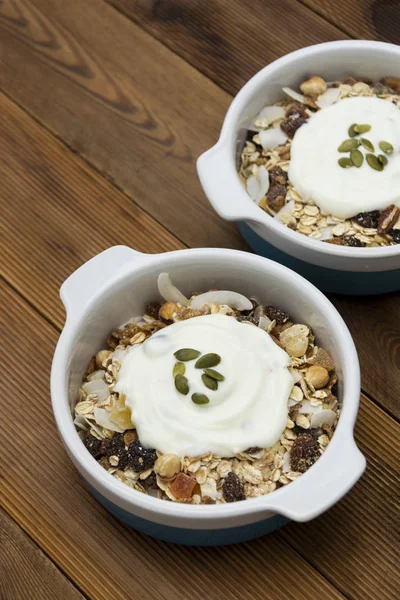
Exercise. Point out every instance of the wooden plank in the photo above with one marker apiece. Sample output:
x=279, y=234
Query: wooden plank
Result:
x=25, y=572
x=128, y=105
x=365, y=19
x=43, y=492
x=229, y=40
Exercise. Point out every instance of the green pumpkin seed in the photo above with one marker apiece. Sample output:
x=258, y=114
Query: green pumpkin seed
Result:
x=208, y=360
x=386, y=147
x=356, y=158
x=348, y=145
x=211, y=384
x=186, y=354
x=362, y=128
x=345, y=163
x=214, y=374
x=181, y=384
x=374, y=162
x=367, y=144
x=179, y=369
x=352, y=132
x=200, y=399
x=382, y=159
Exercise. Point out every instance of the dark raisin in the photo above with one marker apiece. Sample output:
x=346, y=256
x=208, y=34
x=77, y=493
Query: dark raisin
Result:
x=300, y=431
x=395, y=233
x=276, y=197
x=247, y=319
x=278, y=175
x=232, y=488
x=93, y=445
x=253, y=450
x=276, y=314
x=367, y=219
x=304, y=453
x=290, y=126
x=141, y=458
x=296, y=110
x=337, y=241
x=350, y=240
x=150, y=483
x=153, y=309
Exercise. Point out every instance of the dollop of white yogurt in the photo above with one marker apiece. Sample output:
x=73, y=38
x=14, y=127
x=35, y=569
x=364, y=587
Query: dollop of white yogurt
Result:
x=314, y=170
x=249, y=408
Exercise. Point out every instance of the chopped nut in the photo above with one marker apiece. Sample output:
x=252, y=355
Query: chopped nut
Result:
x=101, y=357
x=314, y=87
x=168, y=310
x=318, y=376
x=388, y=218
x=167, y=465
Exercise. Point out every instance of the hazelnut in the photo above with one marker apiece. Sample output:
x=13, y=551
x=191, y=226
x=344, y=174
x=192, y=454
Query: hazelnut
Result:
x=168, y=310
x=295, y=340
x=317, y=376
x=313, y=87
x=167, y=465
x=101, y=357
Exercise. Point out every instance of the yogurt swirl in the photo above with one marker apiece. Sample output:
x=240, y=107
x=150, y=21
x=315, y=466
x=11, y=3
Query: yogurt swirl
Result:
x=249, y=408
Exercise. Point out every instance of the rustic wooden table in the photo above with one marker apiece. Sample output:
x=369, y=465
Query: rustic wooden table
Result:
x=105, y=107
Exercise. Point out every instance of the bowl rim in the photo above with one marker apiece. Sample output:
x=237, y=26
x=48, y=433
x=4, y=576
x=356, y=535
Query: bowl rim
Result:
x=227, y=140
x=92, y=471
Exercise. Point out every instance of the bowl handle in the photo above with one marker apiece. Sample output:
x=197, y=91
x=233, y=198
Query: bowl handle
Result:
x=219, y=180
x=316, y=491
x=79, y=287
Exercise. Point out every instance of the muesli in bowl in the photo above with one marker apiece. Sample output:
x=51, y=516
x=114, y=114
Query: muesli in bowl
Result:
x=209, y=399
x=325, y=161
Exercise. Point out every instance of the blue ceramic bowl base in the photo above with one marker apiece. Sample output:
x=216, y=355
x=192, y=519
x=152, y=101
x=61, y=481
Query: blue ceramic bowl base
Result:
x=327, y=280
x=192, y=537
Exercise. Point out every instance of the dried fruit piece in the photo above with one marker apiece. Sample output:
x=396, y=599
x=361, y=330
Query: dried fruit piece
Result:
x=208, y=360
x=167, y=465
x=93, y=445
x=140, y=458
x=150, y=483
x=232, y=488
x=182, y=487
x=395, y=233
x=368, y=219
x=304, y=453
x=276, y=314
x=186, y=354
x=324, y=359
x=388, y=218
x=318, y=376
x=296, y=110
x=278, y=175
x=350, y=240
x=153, y=309
x=290, y=126
x=276, y=196
x=392, y=82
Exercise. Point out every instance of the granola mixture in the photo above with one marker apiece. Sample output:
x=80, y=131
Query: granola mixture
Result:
x=105, y=427
x=264, y=171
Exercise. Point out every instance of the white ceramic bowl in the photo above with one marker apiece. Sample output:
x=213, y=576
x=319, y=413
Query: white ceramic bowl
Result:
x=217, y=167
x=116, y=285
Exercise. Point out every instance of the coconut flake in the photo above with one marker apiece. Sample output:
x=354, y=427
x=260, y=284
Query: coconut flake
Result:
x=96, y=375
x=253, y=187
x=295, y=95
x=323, y=417
x=169, y=292
x=268, y=115
x=295, y=374
x=98, y=387
x=327, y=98
x=231, y=299
x=80, y=422
x=271, y=138
x=102, y=417
x=286, y=463
x=326, y=233
x=287, y=209
x=306, y=408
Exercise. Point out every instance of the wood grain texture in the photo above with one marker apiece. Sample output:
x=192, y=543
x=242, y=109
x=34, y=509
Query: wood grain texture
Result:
x=208, y=35
x=43, y=492
x=82, y=77
x=25, y=572
x=123, y=101
x=365, y=19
